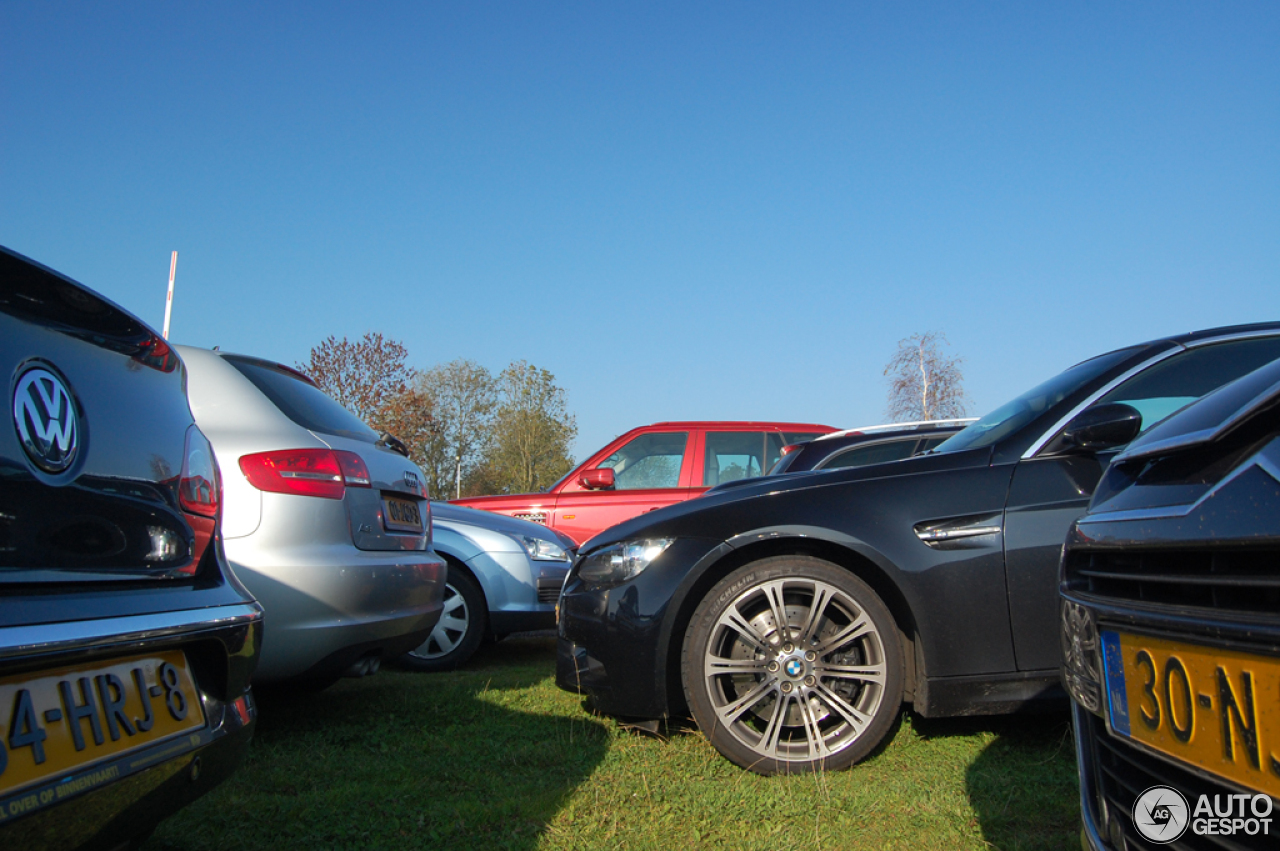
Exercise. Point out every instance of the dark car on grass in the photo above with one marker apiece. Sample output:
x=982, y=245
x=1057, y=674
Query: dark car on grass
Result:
x=792, y=616
x=126, y=646
x=1171, y=631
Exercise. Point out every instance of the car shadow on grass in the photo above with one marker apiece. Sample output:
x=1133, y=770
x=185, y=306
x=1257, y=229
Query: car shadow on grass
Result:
x=1022, y=786
x=478, y=758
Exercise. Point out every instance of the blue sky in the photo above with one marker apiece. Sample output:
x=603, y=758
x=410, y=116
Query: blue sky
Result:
x=683, y=211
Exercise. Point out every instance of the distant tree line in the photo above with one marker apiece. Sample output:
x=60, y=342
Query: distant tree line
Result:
x=470, y=431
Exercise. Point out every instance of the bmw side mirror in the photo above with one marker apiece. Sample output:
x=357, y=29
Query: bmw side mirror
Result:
x=1102, y=427
x=599, y=479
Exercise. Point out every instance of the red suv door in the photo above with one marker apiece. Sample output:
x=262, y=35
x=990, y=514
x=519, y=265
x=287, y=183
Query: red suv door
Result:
x=651, y=470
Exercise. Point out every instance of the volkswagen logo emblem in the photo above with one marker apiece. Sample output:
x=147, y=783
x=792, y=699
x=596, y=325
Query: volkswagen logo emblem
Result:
x=44, y=412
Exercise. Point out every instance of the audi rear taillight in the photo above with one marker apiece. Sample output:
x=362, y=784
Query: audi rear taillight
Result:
x=306, y=472
x=353, y=469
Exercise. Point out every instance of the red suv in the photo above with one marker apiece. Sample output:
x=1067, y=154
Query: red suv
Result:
x=649, y=467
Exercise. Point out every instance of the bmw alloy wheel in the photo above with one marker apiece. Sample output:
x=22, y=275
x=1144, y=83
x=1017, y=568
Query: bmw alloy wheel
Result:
x=792, y=664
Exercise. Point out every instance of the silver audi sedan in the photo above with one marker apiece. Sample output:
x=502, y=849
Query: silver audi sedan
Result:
x=504, y=576
x=324, y=523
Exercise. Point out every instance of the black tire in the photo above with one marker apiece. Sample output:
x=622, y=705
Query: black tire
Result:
x=816, y=693
x=461, y=628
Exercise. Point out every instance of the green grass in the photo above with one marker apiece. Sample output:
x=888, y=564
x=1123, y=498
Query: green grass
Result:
x=496, y=756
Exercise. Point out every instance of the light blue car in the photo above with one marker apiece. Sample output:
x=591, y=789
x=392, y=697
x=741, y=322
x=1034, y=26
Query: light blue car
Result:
x=504, y=576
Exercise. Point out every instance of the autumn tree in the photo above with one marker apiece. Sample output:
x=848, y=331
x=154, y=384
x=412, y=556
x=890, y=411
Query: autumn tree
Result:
x=924, y=382
x=532, y=430
x=371, y=378
x=463, y=396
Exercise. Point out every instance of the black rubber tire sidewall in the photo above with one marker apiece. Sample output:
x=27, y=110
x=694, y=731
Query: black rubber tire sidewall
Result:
x=699, y=632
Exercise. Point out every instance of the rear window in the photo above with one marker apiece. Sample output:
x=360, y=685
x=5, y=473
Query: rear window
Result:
x=301, y=401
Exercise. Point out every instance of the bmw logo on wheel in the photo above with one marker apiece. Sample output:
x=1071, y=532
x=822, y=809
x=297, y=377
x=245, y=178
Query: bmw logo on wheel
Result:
x=44, y=412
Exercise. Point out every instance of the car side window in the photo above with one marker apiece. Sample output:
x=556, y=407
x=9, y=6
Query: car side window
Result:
x=649, y=461
x=1179, y=380
x=730, y=455
x=876, y=453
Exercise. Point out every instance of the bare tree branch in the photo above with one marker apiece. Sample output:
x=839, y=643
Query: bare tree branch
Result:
x=924, y=383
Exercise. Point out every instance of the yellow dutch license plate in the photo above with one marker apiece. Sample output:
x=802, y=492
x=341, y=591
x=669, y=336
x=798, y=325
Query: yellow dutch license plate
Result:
x=402, y=515
x=1215, y=709
x=58, y=721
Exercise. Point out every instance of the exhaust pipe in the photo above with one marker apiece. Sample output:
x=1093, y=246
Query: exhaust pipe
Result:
x=364, y=666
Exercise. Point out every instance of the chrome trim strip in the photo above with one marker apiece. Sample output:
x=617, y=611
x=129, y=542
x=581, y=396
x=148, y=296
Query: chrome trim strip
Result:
x=1243, y=335
x=41, y=639
x=953, y=534
x=1098, y=394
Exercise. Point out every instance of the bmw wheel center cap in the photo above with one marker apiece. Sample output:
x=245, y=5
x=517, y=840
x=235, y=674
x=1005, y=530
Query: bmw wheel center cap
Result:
x=44, y=412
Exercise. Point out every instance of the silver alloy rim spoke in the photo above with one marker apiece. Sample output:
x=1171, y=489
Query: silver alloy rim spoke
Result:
x=772, y=732
x=778, y=606
x=852, y=632
x=720, y=666
x=822, y=595
x=817, y=744
x=861, y=673
x=730, y=713
x=857, y=720
x=746, y=632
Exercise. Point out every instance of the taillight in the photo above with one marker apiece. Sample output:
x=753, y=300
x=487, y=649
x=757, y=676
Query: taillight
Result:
x=200, y=486
x=353, y=469
x=306, y=472
x=199, y=493
x=790, y=447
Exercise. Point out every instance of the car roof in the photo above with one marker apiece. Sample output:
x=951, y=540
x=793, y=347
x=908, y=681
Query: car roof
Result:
x=744, y=424
x=888, y=429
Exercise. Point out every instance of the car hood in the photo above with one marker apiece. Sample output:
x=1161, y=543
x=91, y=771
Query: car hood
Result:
x=765, y=487
x=513, y=526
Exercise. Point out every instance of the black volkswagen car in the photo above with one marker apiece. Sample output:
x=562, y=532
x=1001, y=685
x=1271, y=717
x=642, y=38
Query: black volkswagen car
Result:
x=126, y=645
x=1171, y=630
x=792, y=616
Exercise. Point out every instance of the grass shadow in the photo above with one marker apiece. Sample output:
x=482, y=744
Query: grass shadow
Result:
x=478, y=758
x=1022, y=785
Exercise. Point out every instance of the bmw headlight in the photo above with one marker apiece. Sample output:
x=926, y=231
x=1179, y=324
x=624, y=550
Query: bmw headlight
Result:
x=619, y=562
x=540, y=549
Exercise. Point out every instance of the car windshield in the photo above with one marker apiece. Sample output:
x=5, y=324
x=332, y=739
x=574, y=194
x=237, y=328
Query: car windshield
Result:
x=1012, y=416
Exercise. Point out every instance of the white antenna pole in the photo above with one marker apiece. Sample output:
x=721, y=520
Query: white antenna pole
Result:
x=168, y=302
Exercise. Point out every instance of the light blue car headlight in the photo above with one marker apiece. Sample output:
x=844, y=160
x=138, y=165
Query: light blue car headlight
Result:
x=540, y=549
x=619, y=562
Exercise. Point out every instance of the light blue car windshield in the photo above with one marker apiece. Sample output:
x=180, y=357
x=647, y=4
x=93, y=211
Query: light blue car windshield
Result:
x=1012, y=416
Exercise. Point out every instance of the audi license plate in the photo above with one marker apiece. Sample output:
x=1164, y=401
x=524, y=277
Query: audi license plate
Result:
x=401, y=515
x=1215, y=709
